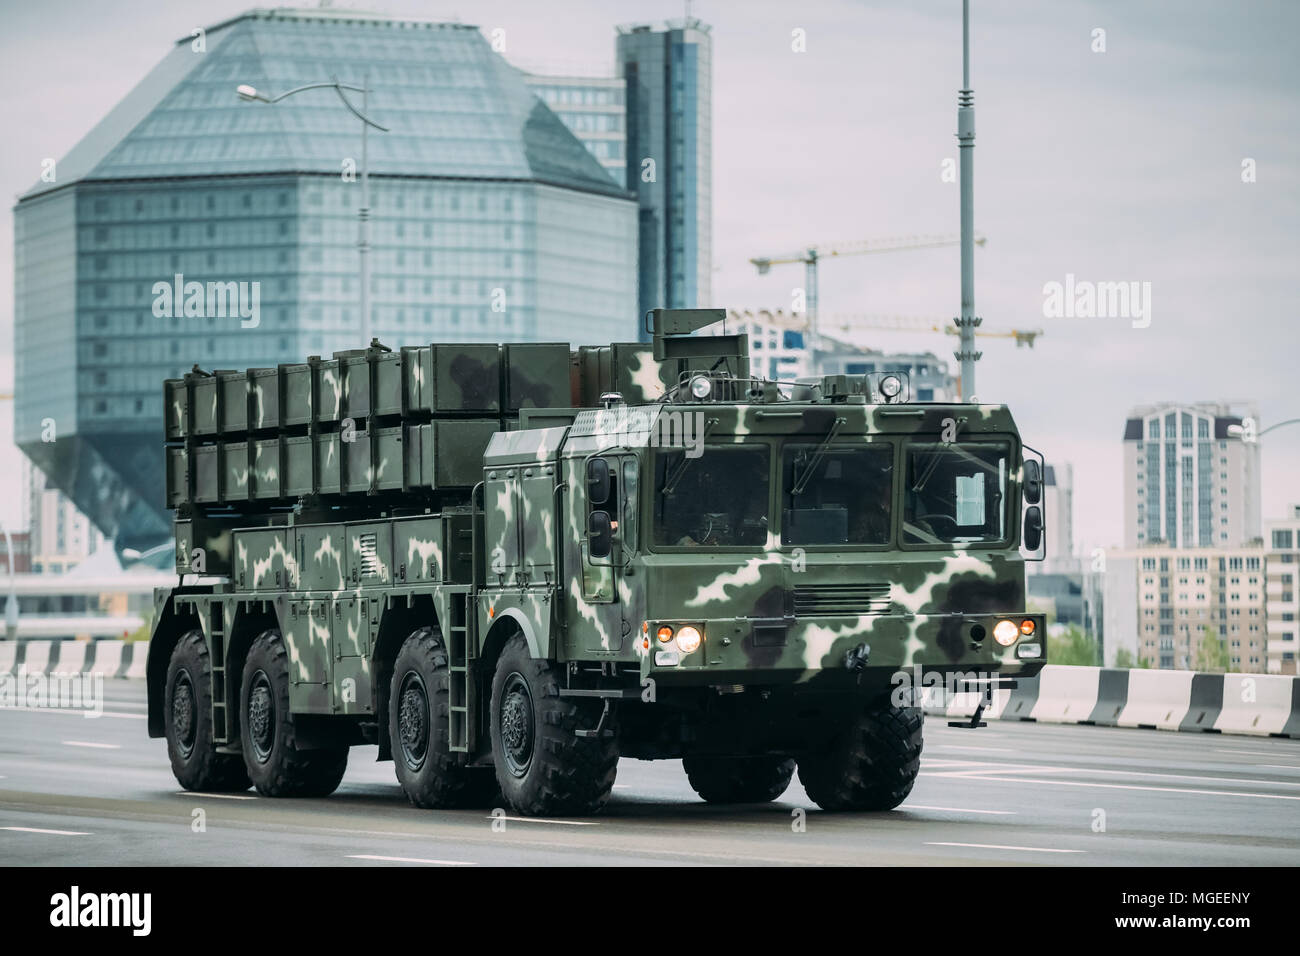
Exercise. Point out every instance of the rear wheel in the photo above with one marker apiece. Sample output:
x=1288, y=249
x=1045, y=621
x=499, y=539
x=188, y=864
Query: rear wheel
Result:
x=187, y=718
x=419, y=707
x=268, y=734
x=758, y=779
x=872, y=765
x=543, y=767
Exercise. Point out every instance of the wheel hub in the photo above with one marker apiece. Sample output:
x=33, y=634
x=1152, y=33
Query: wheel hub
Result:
x=261, y=717
x=183, y=716
x=517, y=731
x=413, y=721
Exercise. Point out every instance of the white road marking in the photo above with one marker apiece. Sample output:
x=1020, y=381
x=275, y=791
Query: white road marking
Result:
x=89, y=743
x=216, y=796
x=1279, y=766
x=1130, y=786
x=563, y=823
x=51, y=832
x=1018, y=769
x=1256, y=753
x=408, y=859
x=998, y=750
x=999, y=846
x=917, y=806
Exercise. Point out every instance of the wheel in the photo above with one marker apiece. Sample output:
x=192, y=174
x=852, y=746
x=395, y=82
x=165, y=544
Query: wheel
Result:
x=872, y=766
x=187, y=716
x=418, y=709
x=739, y=779
x=543, y=767
x=275, y=764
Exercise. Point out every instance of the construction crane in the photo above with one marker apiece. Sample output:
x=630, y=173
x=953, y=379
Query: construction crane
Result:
x=884, y=323
x=811, y=255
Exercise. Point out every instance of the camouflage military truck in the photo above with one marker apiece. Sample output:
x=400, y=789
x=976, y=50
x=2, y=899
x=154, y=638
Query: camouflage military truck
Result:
x=509, y=566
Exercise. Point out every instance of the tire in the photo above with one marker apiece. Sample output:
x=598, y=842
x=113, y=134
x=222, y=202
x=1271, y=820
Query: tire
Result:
x=758, y=779
x=543, y=768
x=872, y=766
x=266, y=729
x=419, y=706
x=187, y=719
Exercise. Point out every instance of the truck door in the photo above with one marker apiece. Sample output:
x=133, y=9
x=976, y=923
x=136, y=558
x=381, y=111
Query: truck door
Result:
x=596, y=497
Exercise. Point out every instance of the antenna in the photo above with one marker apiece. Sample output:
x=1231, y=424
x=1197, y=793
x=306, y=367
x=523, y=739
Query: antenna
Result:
x=967, y=322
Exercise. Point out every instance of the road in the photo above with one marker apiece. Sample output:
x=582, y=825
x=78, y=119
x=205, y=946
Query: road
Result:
x=98, y=792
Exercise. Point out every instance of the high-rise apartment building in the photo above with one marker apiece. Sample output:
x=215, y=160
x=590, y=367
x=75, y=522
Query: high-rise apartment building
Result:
x=1191, y=476
x=490, y=221
x=1282, y=537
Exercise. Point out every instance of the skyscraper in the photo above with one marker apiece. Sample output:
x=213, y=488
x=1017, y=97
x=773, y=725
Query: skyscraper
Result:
x=1191, y=476
x=592, y=107
x=491, y=221
x=668, y=77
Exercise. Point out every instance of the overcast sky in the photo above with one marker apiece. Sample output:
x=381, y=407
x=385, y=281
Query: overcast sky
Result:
x=1111, y=166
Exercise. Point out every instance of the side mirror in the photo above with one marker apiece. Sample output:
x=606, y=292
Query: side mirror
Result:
x=598, y=482
x=600, y=534
x=1033, y=527
x=1033, y=485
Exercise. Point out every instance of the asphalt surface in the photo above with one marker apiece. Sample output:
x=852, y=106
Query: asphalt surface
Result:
x=98, y=792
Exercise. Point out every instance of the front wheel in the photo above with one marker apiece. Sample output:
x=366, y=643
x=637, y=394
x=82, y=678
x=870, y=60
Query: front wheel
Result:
x=544, y=768
x=267, y=730
x=872, y=765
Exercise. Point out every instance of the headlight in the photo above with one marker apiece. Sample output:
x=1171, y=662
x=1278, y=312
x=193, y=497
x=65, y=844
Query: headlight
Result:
x=1005, y=633
x=701, y=387
x=890, y=386
x=688, y=639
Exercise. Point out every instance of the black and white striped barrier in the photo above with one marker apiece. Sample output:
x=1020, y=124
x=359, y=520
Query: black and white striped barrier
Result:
x=125, y=659
x=1260, y=704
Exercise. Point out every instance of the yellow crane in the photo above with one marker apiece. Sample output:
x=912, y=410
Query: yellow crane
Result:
x=812, y=255
x=884, y=323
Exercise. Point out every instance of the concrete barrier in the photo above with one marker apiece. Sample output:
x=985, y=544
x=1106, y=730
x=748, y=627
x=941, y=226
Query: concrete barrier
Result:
x=1066, y=695
x=36, y=657
x=108, y=657
x=8, y=656
x=72, y=658
x=1256, y=704
x=135, y=659
x=1157, y=699
x=1205, y=703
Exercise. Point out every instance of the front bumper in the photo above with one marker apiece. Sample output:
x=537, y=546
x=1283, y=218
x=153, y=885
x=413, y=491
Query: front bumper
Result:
x=841, y=650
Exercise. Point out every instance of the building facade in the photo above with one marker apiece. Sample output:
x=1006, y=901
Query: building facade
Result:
x=594, y=110
x=489, y=221
x=668, y=88
x=1161, y=603
x=59, y=536
x=1282, y=535
x=1191, y=476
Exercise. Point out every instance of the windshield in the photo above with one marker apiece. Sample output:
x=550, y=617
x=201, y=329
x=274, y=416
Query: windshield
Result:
x=956, y=493
x=718, y=499
x=840, y=496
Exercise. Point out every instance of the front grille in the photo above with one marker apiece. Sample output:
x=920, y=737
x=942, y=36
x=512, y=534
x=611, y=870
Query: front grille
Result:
x=823, y=599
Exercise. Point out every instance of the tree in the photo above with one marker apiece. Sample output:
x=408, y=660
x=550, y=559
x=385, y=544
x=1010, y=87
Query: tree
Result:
x=1075, y=646
x=1211, y=652
x=1124, y=658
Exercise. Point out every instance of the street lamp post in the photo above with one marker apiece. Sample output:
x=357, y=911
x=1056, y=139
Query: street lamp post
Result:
x=249, y=93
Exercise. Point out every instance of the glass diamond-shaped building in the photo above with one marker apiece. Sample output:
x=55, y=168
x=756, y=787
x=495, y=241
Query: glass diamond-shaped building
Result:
x=490, y=221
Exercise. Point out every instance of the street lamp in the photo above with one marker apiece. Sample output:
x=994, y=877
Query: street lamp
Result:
x=11, y=602
x=250, y=93
x=1239, y=431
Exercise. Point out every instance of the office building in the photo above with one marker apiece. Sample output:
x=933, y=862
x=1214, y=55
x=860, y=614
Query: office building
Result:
x=668, y=90
x=593, y=109
x=60, y=536
x=489, y=221
x=1191, y=476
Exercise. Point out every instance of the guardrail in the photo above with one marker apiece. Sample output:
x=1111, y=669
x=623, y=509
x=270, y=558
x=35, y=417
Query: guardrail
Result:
x=1258, y=704
x=125, y=659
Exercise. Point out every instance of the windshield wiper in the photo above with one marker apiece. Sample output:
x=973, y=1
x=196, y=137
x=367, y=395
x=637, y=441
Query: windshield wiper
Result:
x=671, y=484
x=933, y=463
x=816, y=459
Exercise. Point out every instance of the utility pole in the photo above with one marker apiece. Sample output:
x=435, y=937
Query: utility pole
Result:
x=966, y=324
